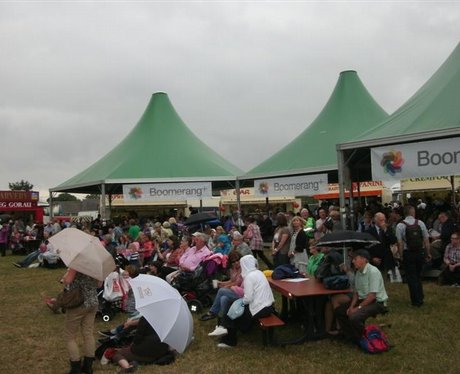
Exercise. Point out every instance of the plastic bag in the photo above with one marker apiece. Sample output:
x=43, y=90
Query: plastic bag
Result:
x=236, y=310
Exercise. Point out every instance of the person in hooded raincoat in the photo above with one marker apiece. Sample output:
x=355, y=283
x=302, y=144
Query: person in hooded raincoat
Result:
x=258, y=302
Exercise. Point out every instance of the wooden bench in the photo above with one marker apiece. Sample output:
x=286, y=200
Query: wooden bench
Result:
x=268, y=325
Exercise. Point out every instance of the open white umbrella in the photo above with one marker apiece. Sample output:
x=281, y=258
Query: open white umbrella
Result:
x=83, y=252
x=165, y=309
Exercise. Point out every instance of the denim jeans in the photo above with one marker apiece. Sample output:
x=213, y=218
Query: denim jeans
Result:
x=224, y=298
x=31, y=257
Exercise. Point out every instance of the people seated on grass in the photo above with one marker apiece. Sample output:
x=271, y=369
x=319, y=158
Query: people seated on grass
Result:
x=171, y=257
x=228, y=291
x=223, y=245
x=48, y=256
x=451, y=273
x=258, y=302
x=369, y=297
x=159, y=235
x=281, y=241
x=298, y=245
x=146, y=247
x=219, y=231
x=33, y=256
x=239, y=244
x=131, y=253
x=133, y=315
x=192, y=257
x=212, y=238
x=146, y=348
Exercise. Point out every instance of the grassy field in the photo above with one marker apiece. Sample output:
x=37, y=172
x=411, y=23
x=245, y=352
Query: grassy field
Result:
x=425, y=340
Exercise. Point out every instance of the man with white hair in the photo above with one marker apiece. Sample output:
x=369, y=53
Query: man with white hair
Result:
x=193, y=256
x=381, y=255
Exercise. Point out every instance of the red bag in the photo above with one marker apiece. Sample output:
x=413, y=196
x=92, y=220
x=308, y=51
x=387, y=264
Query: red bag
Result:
x=374, y=340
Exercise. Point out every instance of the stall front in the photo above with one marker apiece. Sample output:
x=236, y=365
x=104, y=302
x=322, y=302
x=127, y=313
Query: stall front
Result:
x=20, y=205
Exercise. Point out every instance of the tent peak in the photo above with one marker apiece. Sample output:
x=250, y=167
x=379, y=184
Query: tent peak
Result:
x=348, y=72
x=160, y=93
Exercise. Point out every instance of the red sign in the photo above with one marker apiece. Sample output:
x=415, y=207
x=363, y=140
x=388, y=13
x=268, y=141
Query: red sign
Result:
x=16, y=196
x=17, y=205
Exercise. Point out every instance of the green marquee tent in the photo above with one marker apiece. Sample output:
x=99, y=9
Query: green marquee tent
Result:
x=160, y=148
x=350, y=111
x=433, y=112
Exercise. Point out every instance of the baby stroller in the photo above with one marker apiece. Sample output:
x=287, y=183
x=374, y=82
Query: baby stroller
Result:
x=112, y=296
x=196, y=288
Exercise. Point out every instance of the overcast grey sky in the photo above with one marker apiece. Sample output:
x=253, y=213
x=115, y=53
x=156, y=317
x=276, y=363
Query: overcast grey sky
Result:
x=246, y=77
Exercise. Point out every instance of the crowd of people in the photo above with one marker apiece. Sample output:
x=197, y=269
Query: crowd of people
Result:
x=410, y=238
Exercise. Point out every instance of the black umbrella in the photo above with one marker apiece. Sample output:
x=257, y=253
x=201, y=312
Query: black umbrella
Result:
x=202, y=217
x=347, y=239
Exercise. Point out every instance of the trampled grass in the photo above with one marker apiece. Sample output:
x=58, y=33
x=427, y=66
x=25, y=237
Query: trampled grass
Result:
x=425, y=340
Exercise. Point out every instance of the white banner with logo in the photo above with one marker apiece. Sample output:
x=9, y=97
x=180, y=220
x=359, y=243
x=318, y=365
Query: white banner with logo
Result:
x=424, y=159
x=166, y=191
x=305, y=185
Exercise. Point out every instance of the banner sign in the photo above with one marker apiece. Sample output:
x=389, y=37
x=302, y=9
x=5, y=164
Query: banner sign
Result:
x=166, y=191
x=19, y=196
x=423, y=159
x=305, y=185
x=428, y=183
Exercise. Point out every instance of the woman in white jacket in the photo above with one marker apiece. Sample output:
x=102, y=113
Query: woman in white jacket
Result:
x=258, y=302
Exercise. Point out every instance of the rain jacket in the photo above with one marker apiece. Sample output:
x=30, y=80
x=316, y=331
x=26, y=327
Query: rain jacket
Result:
x=257, y=291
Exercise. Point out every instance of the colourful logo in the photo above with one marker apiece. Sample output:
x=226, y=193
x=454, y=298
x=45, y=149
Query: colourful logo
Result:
x=263, y=188
x=135, y=193
x=392, y=162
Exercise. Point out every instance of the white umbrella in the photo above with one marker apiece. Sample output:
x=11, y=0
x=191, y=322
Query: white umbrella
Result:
x=83, y=252
x=165, y=309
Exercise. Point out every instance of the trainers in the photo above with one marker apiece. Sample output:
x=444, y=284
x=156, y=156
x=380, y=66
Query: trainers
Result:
x=17, y=265
x=219, y=331
x=107, y=355
x=104, y=360
x=207, y=316
x=223, y=345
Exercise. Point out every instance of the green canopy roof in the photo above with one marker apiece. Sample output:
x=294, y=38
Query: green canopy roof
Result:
x=349, y=111
x=433, y=111
x=160, y=148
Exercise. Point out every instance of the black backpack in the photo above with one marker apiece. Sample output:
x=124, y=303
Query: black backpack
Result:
x=414, y=236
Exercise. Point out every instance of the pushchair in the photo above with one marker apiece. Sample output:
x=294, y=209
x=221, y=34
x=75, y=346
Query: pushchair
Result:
x=196, y=288
x=112, y=296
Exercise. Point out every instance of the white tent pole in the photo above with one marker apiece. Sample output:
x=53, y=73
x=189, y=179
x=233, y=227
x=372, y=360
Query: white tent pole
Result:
x=343, y=173
x=102, y=203
x=238, y=203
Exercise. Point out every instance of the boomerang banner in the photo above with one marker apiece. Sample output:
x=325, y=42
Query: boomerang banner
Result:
x=305, y=185
x=423, y=159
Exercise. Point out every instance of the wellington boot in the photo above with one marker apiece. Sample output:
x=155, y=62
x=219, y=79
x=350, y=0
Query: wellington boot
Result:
x=75, y=367
x=87, y=366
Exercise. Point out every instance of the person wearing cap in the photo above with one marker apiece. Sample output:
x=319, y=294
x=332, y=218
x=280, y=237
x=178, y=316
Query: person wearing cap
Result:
x=369, y=297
